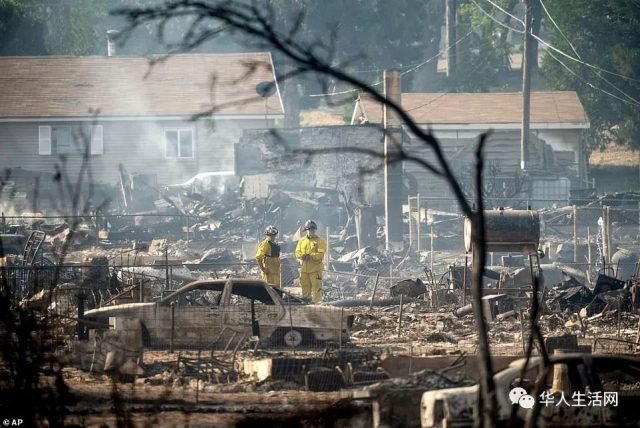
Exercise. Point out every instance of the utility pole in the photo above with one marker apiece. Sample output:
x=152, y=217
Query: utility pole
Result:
x=526, y=87
x=536, y=22
x=450, y=22
x=393, y=191
x=291, y=97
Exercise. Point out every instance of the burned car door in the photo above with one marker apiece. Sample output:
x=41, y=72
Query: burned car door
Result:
x=196, y=319
x=251, y=310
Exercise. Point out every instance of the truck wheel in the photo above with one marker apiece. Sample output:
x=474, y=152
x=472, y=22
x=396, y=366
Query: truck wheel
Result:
x=293, y=337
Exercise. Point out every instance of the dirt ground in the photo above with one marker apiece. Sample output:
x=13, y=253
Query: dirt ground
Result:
x=166, y=396
x=100, y=404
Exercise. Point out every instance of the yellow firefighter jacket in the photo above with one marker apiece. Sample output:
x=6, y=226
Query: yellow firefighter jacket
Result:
x=316, y=247
x=268, y=255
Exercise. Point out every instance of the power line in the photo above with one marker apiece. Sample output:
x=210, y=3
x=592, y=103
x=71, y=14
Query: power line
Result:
x=411, y=70
x=439, y=53
x=578, y=55
x=618, y=89
x=505, y=12
x=558, y=28
x=591, y=85
x=496, y=20
x=428, y=102
x=595, y=67
x=633, y=100
x=378, y=69
x=482, y=62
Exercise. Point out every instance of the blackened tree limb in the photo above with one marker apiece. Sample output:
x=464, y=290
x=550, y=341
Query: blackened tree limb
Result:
x=487, y=399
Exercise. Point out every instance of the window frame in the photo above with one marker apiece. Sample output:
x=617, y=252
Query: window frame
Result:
x=54, y=142
x=96, y=143
x=179, y=130
x=45, y=145
x=48, y=145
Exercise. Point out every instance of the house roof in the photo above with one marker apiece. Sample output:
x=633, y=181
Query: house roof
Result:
x=562, y=109
x=181, y=85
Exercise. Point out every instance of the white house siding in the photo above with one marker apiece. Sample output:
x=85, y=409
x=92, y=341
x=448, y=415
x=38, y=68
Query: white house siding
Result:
x=137, y=145
x=501, y=153
x=217, y=139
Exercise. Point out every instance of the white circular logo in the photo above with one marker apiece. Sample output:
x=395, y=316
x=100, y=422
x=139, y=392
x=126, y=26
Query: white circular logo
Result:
x=515, y=394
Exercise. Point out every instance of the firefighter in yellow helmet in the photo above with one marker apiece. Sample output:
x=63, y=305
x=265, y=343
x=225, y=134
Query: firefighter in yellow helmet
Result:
x=310, y=251
x=268, y=257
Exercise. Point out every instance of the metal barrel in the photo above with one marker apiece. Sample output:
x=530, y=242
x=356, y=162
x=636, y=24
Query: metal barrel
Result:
x=515, y=231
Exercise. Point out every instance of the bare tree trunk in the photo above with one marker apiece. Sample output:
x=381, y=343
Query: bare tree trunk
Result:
x=487, y=403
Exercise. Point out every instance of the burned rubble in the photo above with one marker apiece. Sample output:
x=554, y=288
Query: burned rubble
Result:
x=404, y=316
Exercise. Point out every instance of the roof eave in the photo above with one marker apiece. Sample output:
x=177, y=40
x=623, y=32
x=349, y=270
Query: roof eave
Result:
x=504, y=126
x=186, y=117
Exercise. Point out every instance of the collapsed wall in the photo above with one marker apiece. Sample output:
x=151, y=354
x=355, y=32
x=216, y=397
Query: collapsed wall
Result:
x=325, y=157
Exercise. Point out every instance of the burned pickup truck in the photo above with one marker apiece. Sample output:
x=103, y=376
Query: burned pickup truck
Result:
x=214, y=313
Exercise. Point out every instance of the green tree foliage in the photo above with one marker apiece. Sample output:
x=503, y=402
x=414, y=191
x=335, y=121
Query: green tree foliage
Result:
x=363, y=36
x=73, y=27
x=484, y=53
x=22, y=31
x=367, y=36
x=605, y=33
x=54, y=27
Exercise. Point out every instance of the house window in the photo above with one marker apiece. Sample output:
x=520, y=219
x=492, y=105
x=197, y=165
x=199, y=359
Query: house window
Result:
x=68, y=140
x=178, y=143
x=63, y=140
x=44, y=140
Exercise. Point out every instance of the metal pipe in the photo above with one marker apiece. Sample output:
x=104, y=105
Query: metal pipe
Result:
x=609, y=240
x=410, y=359
x=142, y=289
x=589, y=259
x=166, y=268
x=507, y=314
x=81, y=329
x=464, y=310
x=198, y=377
x=524, y=346
x=375, y=287
x=340, y=332
x=575, y=234
x=173, y=326
x=410, y=222
x=400, y=317
x=432, y=251
x=419, y=229
x=464, y=280
x=188, y=225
